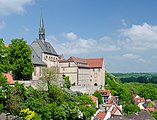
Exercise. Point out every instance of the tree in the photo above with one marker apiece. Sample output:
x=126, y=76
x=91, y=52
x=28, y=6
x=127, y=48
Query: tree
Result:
x=67, y=83
x=86, y=106
x=3, y=87
x=20, y=59
x=130, y=108
x=49, y=77
x=4, y=62
x=99, y=96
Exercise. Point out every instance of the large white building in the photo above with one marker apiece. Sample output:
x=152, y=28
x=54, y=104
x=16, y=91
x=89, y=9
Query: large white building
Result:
x=82, y=72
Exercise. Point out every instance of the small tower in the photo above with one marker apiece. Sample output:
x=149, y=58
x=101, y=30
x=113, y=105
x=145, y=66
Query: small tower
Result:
x=41, y=29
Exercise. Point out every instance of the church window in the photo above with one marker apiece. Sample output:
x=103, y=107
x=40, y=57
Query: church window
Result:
x=35, y=71
x=40, y=71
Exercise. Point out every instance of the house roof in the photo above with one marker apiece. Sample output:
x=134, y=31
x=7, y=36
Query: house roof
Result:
x=94, y=99
x=45, y=46
x=107, y=92
x=111, y=100
x=88, y=62
x=95, y=62
x=101, y=115
x=9, y=78
x=139, y=99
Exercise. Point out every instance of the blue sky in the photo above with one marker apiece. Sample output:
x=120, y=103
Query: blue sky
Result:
x=124, y=32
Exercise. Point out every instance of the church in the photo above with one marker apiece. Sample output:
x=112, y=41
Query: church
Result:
x=81, y=71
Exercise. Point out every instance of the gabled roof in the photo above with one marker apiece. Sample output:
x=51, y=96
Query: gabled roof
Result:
x=9, y=78
x=46, y=47
x=95, y=62
x=77, y=60
x=35, y=58
x=88, y=62
x=107, y=92
x=80, y=62
x=101, y=115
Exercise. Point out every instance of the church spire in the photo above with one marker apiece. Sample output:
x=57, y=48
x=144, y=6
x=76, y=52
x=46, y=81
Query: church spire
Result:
x=41, y=29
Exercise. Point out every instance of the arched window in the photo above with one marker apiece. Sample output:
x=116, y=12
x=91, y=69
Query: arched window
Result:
x=95, y=84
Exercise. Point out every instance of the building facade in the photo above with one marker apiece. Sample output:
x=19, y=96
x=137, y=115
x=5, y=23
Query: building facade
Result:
x=82, y=72
x=43, y=54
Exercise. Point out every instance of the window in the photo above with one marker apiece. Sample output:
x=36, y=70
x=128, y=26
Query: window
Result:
x=93, y=70
x=69, y=64
x=35, y=71
x=95, y=75
x=40, y=71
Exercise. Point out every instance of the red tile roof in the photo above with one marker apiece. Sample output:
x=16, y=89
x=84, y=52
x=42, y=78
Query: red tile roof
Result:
x=88, y=62
x=104, y=91
x=77, y=60
x=101, y=115
x=149, y=109
x=95, y=62
x=94, y=99
x=111, y=100
x=139, y=99
x=9, y=77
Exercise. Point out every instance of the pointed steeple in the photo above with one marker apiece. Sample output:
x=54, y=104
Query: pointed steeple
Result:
x=41, y=29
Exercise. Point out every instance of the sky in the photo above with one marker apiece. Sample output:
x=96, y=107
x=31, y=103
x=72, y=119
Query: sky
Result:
x=123, y=32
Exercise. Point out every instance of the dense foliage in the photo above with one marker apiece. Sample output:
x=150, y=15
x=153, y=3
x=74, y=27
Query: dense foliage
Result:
x=55, y=104
x=20, y=59
x=4, y=58
x=137, y=77
x=120, y=90
x=148, y=91
x=99, y=96
x=16, y=57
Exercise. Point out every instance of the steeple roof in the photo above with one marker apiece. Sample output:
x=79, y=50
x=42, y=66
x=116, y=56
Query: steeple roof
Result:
x=41, y=29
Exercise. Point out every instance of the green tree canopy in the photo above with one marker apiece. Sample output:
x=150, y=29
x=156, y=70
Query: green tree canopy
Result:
x=4, y=61
x=67, y=83
x=99, y=96
x=20, y=59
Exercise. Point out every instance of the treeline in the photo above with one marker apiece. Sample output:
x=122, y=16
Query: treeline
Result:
x=146, y=90
x=137, y=77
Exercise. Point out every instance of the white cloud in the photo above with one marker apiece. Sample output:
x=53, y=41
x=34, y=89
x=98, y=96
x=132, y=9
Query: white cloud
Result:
x=13, y=6
x=81, y=45
x=2, y=24
x=136, y=58
x=70, y=36
x=139, y=37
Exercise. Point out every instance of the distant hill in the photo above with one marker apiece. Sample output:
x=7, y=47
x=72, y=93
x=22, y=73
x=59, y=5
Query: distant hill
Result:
x=137, y=77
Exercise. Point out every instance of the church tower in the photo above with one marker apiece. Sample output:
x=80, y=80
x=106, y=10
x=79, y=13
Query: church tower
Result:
x=41, y=29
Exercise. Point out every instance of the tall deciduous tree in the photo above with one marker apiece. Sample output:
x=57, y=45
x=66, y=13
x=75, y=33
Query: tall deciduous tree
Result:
x=4, y=62
x=20, y=59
